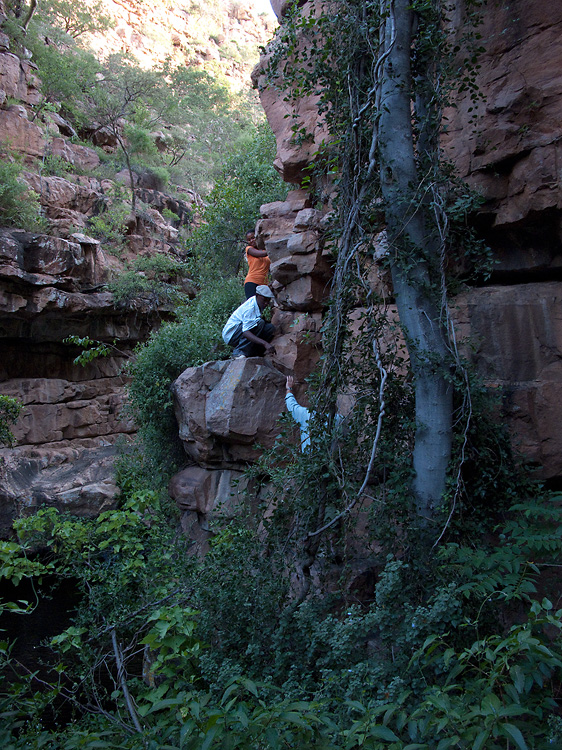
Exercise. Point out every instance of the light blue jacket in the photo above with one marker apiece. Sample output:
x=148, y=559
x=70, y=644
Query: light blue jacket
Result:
x=301, y=415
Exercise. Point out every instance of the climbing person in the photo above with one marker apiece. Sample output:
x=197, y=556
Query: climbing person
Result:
x=258, y=266
x=302, y=415
x=246, y=331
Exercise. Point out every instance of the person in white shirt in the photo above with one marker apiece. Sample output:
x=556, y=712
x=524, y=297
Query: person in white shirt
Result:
x=246, y=331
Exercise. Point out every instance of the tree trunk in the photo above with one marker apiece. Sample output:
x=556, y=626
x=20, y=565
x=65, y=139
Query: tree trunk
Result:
x=410, y=243
x=129, y=168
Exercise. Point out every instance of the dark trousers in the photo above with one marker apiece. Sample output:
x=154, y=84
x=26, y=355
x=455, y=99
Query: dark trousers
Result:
x=247, y=348
x=250, y=289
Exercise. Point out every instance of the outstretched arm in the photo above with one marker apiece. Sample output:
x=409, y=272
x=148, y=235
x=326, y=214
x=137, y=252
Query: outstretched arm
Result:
x=299, y=413
x=255, y=253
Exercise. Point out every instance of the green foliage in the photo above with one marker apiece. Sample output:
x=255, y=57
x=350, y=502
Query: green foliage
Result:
x=133, y=285
x=65, y=78
x=493, y=694
x=426, y=683
x=56, y=165
x=162, y=266
x=75, y=18
x=248, y=180
x=170, y=215
x=19, y=205
x=203, y=118
x=244, y=582
x=110, y=226
x=193, y=339
x=140, y=140
x=92, y=349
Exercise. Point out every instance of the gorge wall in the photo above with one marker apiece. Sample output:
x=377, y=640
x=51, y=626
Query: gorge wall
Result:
x=508, y=148
x=52, y=286
x=506, y=145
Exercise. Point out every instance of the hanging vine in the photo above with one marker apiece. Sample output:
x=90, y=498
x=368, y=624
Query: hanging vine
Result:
x=381, y=74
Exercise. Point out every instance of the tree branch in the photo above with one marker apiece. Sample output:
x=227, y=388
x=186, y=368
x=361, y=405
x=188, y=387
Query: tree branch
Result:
x=123, y=680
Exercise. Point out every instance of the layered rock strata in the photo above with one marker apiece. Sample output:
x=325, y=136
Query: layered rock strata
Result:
x=73, y=415
x=52, y=286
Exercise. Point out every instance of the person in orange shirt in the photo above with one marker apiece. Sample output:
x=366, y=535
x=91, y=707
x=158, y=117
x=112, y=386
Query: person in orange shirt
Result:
x=258, y=266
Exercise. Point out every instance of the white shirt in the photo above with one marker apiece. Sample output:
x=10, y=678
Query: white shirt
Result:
x=248, y=315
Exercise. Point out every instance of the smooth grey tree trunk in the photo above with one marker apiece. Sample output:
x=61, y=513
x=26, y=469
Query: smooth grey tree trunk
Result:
x=410, y=243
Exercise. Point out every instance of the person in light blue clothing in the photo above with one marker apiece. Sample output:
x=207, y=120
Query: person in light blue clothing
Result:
x=300, y=414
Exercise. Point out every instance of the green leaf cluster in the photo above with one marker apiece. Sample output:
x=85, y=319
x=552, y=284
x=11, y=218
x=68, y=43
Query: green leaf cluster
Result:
x=19, y=205
x=10, y=409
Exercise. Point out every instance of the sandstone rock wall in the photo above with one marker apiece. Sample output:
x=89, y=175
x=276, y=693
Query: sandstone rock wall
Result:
x=228, y=413
x=72, y=416
x=506, y=145
x=52, y=286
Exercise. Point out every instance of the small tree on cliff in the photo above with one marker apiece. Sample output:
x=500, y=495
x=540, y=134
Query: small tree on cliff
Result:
x=379, y=72
x=121, y=94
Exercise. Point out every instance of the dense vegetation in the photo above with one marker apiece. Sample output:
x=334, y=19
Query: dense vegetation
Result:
x=273, y=640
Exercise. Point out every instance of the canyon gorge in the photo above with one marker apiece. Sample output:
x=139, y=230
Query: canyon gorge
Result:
x=52, y=285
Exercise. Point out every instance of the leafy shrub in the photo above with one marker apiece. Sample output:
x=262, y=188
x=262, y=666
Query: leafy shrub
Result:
x=195, y=338
x=56, y=165
x=128, y=286
x=110, y=225
x=161, y=176
x=140, y=140
x=170, y=215
x=67, y=78
x=161, y=266
x=9, y=412
x=131, y=285
x=19, y=205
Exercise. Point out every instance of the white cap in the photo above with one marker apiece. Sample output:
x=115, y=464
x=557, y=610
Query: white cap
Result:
x=265, y=291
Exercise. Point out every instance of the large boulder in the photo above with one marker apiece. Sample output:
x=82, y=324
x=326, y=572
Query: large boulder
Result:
x=227, y=411
x=73, y=476
x=17, y=77
x=85, y=194
x=19, y=134
x=40, y=260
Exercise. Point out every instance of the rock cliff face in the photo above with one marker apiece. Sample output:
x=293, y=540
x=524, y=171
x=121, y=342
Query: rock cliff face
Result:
x=73, y=415
x=510, y=153
x=225, y=36
x=51, y=287
x=507, y=147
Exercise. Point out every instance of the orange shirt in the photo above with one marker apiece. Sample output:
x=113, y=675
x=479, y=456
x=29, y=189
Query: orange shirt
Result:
x=258, y=268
